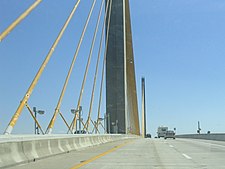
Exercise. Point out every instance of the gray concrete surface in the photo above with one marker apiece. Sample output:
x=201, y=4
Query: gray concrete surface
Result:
x=141, y=154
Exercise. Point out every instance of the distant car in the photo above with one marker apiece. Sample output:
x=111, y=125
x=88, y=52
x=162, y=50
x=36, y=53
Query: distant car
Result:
x=80, y=132
x=169, y=134
x=148, y=135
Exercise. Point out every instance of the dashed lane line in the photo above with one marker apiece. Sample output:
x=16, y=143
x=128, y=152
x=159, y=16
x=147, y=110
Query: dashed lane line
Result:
x=186, y=156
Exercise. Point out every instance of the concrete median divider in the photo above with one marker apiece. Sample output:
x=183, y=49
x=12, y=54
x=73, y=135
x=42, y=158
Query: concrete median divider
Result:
x=212, y=136
x=15, y=150
x=11, y=153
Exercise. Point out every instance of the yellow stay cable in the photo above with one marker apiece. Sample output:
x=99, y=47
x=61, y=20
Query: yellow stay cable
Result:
x=40, y=71
x=96, y=70
x=103, y=68
x=57, y=109
x=19, y=19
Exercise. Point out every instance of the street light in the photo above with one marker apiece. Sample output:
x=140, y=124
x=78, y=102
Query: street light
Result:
x=107, y=119
x=100, y=122
x=100, y=119
x=117, y=128
x=41, y=112
x=199, y=128
x=75, y=111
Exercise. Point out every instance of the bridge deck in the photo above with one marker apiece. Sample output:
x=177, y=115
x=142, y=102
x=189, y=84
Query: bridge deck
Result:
x=140, y=153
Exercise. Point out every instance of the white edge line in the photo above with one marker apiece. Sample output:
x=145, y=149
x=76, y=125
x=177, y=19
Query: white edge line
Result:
x=186, y=156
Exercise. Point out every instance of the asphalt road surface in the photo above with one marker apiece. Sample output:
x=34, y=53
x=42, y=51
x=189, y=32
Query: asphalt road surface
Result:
x=140, y=154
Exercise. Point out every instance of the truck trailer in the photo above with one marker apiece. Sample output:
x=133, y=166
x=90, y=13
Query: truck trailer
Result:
x=162, y=131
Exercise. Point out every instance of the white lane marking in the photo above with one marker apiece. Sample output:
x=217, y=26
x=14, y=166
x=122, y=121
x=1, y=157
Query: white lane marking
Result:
x=171, y=146
x=186, y=156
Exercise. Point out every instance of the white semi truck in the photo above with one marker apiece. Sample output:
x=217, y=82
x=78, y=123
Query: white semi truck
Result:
x=162, y=131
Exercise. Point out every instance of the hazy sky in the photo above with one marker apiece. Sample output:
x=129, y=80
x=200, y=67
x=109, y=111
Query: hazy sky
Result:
x=178, y=47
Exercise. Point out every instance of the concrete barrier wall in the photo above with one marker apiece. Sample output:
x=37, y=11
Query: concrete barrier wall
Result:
x=216, y=136
x=23, y=149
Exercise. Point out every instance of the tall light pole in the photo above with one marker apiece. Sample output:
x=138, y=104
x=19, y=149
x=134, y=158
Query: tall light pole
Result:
x=143, y=108
x=41, y=112
x=105, y=124
x=75, y=111
x=199, y=128
x=80, y=109
x=108, y=122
